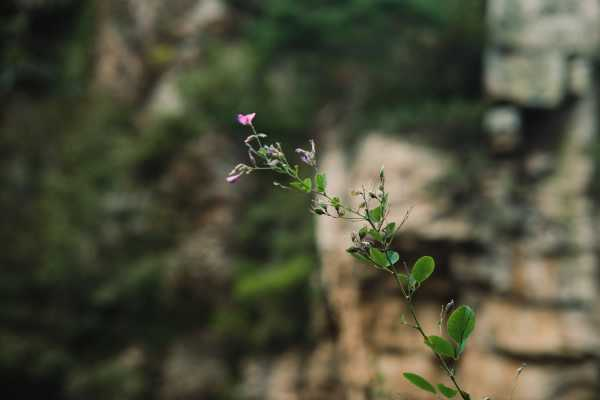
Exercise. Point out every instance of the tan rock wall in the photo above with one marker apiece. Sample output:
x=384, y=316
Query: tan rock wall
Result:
x=533, y=282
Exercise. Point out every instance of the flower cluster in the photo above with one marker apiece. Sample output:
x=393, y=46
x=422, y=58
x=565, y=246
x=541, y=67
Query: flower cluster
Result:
x=371, y=243
x=271, y=157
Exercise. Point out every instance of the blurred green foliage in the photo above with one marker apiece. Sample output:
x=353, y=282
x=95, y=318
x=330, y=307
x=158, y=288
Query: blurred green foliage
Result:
x=376, y=58
x=44, y=45
x=86, y=230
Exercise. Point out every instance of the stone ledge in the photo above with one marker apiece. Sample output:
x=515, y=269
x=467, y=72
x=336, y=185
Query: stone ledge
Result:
x=536, y=332
x=567, y=25
x=488, y=374
x=536, y=79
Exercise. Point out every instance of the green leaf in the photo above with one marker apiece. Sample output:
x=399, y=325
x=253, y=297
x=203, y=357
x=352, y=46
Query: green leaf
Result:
x=336, y=202
x=389, y=230
x=376, y=214
x=382, y=259
x=378, y=257
x=441, y=346
x=461, y=348
x=460, y=325
x=321, y=182
x=304, y=186
x=376, y=235
x=384, y=201
x=419, y=382
x=446, y=391
x=363, y=232
x=392, y=257
x=358, y=256
x=308, y=184
x=412, y=283
x=422, y=269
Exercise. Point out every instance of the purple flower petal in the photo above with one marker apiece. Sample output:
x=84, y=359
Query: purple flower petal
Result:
x=246, y=119
x=233, y=178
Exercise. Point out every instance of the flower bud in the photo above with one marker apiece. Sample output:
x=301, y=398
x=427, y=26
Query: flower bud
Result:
x=246, y=119
x=233, y=178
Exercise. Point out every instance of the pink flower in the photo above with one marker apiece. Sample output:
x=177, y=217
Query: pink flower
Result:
x=246, y=119
x=233, y=178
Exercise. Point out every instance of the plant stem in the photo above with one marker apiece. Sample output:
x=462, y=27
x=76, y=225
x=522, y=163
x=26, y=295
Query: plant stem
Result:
x=281, y=165
x=418, y=327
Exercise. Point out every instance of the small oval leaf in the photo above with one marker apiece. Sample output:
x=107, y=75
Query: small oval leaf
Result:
x=446, y=391
x=321, y=182
x=358, y=256
x=376, y=235
x=392, y=257
x=376, y=214
x=390, y=229
x=378, y=257
x=307, y=185
x=460, y=325
x=422, y=268
x=419, y=382
x=441, y=346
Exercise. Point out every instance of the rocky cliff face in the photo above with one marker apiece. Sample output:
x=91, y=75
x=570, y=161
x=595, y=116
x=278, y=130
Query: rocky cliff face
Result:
x=527, y=259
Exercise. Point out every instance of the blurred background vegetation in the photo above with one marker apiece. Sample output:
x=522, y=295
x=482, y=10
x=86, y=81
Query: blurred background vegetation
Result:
x=88, y=229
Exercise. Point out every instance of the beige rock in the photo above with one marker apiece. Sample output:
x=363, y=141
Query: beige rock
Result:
x=580, y=76
x=144, y=15
x=567, y=25
x=562, y=197
x=320, y=380
x=283, y=380
x=487, y=269
x=484, y=373
x=165, y=100
x=387, y=333
x=184, y=18
x=255, y=378
x=119, y=69
x=534, y=79
x=189, y=372
x=528, y=331
x=296, y=374
x=503, y=124
x=554, y=280
x=202, y=15
x=411, y=169
x=342, y=287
